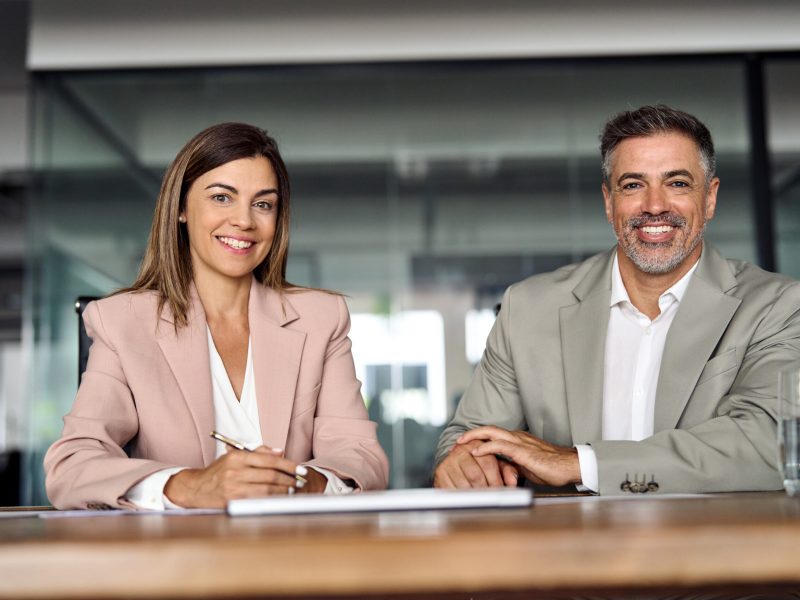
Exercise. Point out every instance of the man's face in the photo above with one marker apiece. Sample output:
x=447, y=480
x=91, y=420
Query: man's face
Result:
x=658, y=202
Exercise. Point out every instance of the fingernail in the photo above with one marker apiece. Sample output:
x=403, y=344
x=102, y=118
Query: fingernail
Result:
x=277, y=450
x=299, y=484
x=290, y=491
x=301, y=470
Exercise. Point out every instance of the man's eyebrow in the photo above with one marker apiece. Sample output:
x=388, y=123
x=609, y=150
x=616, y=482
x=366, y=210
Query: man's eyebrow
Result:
x=678, y=173
x=624, y=176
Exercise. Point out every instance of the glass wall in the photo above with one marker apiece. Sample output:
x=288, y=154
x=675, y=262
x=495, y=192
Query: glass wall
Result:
x=782, y=91
x=419, y=191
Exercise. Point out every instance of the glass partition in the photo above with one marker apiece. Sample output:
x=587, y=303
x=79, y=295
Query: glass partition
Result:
x=420, y=192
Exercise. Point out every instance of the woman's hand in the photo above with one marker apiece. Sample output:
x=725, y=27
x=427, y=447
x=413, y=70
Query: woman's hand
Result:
x=316, y=482
x=238, y=474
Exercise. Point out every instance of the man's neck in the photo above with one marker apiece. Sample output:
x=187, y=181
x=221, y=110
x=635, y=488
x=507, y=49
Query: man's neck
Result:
x=644, y=289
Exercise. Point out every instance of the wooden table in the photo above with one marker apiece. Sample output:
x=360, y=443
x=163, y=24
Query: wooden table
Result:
x=643, y=545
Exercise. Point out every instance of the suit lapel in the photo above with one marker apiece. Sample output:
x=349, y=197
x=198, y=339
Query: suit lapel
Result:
x=277, y=352
x=583, y=328
x=188, y=358
x=703, y=315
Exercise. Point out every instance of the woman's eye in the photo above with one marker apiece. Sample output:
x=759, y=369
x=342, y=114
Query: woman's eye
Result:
x=263, y=205
x=220, y=197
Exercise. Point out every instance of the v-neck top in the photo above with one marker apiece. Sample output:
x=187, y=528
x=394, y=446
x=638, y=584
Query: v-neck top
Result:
x=237, y=417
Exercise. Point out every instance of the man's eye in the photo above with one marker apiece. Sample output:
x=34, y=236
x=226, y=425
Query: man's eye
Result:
x=631, y=186
x=679, y=184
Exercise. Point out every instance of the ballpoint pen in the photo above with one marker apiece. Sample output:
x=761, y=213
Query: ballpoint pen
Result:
x=240, y=446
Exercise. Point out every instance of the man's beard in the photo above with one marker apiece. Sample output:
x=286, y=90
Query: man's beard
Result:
x=646, y=256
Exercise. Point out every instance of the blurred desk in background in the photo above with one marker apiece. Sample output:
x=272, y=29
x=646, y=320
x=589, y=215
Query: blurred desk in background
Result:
x=645, y=546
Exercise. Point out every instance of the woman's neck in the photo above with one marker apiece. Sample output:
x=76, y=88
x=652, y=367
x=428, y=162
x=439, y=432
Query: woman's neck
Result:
x=223, y=298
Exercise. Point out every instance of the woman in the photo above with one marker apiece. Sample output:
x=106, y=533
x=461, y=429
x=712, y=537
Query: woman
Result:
x=211, y=336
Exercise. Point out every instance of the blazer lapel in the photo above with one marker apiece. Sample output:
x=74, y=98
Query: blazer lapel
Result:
x=583, y=334
x=277, y=353
x=188, y=358
x=703, y=315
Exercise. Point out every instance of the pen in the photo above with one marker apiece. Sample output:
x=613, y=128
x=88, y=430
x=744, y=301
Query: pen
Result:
x=240, y=446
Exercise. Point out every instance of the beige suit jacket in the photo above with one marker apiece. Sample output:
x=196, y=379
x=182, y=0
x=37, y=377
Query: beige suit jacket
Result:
x=715, y=426
x=146, y=385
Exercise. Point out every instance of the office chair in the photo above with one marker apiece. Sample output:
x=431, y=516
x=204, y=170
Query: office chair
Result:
x=84, y=341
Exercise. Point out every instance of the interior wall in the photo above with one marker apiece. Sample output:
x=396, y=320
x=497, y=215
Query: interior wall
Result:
x=88, y=34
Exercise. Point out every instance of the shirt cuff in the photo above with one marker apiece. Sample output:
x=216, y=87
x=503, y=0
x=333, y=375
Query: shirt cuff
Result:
x=149, y=492
x=588, y=463
x=335, y=487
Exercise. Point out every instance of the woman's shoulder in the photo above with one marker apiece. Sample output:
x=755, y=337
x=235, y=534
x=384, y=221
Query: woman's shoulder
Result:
x=133, y=308
x=316, y=305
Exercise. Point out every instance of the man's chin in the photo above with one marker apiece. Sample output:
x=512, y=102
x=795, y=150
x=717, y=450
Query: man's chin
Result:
x=655, y=259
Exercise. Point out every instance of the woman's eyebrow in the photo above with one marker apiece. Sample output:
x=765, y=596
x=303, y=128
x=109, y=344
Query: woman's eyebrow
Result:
x=223, y=185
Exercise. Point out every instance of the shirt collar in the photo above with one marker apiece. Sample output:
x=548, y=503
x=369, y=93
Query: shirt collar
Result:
x=620, y=294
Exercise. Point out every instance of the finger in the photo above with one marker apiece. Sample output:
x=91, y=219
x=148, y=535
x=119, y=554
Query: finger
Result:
x=259, y=491
x=457, y=476
x=267, y=449
x=487, y=432
x=508, y=449
x=510, y=473
x=268, y=476
x=441, y=479
x=266, y=460
x=491, y=470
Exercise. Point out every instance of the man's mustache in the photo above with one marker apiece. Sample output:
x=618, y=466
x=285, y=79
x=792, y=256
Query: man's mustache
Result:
x=668, y=218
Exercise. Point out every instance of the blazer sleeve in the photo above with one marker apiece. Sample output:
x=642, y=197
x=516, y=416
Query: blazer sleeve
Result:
x=492, y=396
x=737, y=449
x=88, y=463
x=344, y=439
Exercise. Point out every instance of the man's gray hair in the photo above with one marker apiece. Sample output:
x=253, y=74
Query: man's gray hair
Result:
x=652, y=120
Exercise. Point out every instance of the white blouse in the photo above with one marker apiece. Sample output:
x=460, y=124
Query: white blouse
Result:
x=235, y=418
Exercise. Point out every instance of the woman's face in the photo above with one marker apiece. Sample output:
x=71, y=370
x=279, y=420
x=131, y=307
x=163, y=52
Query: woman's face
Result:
x=231, y=214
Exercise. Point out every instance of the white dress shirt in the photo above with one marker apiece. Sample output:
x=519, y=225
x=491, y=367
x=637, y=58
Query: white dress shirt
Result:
x=633, y=351
x=234, y=417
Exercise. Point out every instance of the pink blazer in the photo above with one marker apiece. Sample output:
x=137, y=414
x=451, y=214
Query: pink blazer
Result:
x=147, y=385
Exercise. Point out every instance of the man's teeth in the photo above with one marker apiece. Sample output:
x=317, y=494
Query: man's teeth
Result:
x=659, y=229
x=238, y=244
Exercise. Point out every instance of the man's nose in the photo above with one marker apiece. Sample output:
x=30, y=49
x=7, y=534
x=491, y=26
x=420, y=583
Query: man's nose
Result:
x=655, y=201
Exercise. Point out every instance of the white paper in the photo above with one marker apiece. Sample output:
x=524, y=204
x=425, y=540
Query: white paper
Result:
x=416, y=499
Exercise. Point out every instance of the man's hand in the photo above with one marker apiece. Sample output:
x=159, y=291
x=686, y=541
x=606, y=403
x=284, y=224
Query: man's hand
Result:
x=537, y=460
x=460, y=469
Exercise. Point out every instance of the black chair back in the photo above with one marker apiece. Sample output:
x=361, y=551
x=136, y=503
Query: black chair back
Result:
x=84, y=341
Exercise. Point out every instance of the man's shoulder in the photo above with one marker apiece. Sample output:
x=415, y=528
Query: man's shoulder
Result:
x=754, y=282
x=560, y=284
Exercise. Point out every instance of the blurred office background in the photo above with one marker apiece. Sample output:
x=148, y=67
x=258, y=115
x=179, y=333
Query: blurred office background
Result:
x=439, y=151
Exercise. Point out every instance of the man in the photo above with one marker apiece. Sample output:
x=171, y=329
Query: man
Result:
x=649, y=368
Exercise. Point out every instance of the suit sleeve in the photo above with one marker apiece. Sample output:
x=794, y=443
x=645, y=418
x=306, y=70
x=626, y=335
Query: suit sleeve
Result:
x=88, y=463
x=734, y=451
x=492, y=396
x=344, y=439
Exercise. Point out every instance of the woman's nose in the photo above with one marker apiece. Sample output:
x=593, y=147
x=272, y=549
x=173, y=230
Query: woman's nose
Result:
x=242, y=217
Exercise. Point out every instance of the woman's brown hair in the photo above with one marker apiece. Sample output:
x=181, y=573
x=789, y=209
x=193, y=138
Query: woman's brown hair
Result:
x=167, y=266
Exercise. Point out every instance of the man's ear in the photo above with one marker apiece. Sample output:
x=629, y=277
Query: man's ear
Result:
x=608, y=202
x=711, y=198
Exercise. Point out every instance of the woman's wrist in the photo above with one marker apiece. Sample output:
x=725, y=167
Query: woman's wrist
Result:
x=316, y=482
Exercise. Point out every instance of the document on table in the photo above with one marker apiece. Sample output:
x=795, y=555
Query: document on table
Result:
x=178, y=512
x=391, y=500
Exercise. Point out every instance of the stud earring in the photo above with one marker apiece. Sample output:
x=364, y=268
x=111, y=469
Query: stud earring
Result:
x=182, y=219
